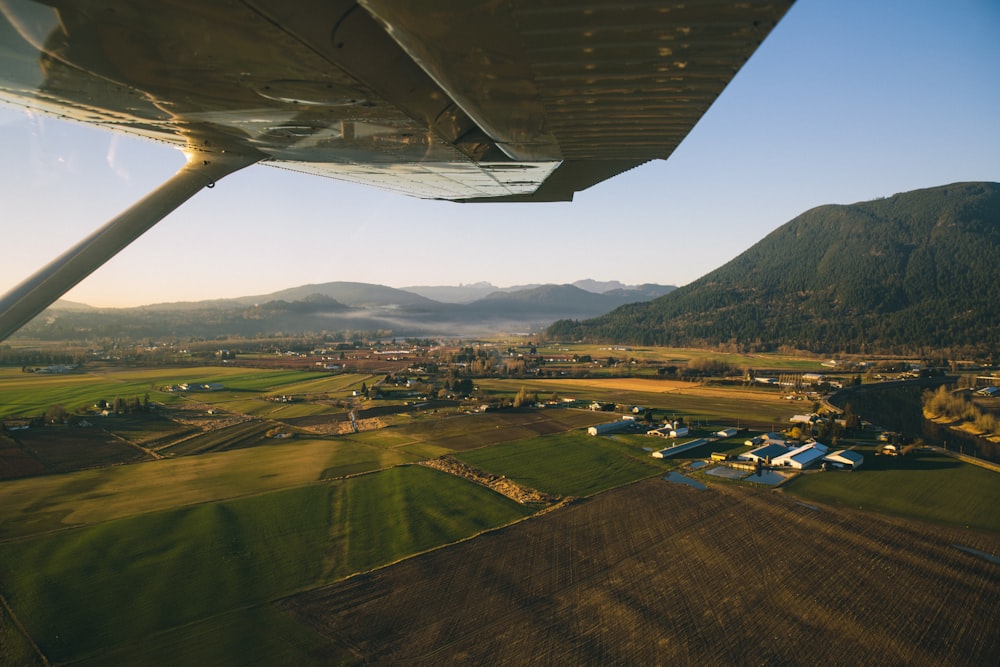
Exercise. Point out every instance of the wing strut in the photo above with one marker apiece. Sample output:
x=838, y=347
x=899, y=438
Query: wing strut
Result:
x=38, y=292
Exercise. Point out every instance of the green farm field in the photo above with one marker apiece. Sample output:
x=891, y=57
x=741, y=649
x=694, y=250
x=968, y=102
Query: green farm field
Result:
x=53, y=502
x=925, y=485
x=567, y=464
x=95, y=588
x=236, y=548
x=31, y=394
x=693, y=401
x=672, y=355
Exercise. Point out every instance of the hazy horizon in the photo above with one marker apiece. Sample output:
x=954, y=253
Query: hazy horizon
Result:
x=844, y=102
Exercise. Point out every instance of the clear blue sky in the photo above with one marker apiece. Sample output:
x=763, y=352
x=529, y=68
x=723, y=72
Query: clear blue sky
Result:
x=846, y=101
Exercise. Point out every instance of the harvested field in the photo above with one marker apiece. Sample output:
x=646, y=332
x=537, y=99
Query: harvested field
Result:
x=15, y=462
x=62, y=448
x=659, y=573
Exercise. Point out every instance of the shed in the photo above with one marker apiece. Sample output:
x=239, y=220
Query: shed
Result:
x=845, y=458
x=611, y=427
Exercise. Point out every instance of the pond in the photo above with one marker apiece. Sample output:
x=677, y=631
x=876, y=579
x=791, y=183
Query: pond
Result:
x=678, y=478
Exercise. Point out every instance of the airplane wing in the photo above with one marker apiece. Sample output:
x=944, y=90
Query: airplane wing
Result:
x=462, y=100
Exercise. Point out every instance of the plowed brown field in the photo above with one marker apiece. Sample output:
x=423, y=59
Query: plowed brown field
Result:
x=659, y=573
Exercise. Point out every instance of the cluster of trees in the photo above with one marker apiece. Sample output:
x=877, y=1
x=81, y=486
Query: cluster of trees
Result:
x=958, y=406
x=33, y=357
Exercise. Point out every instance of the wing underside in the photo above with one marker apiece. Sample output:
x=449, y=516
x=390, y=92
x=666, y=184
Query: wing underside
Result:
x=463, y=100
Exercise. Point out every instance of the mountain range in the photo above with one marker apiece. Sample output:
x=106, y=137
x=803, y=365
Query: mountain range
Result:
x=339, y=306
x=910, y=273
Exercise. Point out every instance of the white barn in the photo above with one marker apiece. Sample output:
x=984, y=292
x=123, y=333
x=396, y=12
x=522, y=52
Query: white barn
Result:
x=801, y=457
x=611, y=427
x=845, y=459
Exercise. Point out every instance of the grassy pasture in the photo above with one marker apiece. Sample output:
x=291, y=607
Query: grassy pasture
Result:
x=30, y=394
x=91, y=496
x=924, y=485
x=256, y=635
x=428, y=435
x=677, y=356
x=693, y=401
x=258, y=407
x=567, y=464
x=91, y=589
x=329, y=384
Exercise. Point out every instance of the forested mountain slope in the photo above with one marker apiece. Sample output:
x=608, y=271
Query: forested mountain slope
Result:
x=905, y=273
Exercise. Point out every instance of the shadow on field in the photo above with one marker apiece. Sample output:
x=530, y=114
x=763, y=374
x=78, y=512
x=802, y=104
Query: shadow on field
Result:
x=921, y=461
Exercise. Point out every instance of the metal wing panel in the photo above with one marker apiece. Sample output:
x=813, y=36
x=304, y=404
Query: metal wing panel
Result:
x=428, y=98
x=581, y=80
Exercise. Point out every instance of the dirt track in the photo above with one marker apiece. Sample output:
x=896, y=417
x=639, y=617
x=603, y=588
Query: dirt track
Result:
x=659, y=573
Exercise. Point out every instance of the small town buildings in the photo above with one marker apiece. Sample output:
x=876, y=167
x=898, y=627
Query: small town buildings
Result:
x=727, y=433
x=845, y=459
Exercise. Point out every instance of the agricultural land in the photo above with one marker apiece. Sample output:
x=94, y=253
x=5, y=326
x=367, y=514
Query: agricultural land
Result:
x=448, y=505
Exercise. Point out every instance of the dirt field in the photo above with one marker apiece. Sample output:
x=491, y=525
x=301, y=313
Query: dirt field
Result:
x=660, y=573
x=62, y=448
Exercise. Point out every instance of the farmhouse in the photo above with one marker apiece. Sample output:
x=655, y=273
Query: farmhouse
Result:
x=802, y=457
x=844, y=459
x=198, y=386
x=803, y=419
x=775, y=439
x=611, y=427
x=669, y=431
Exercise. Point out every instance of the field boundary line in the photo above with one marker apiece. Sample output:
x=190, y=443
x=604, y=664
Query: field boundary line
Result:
x=982, y=463
x=24, y=632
